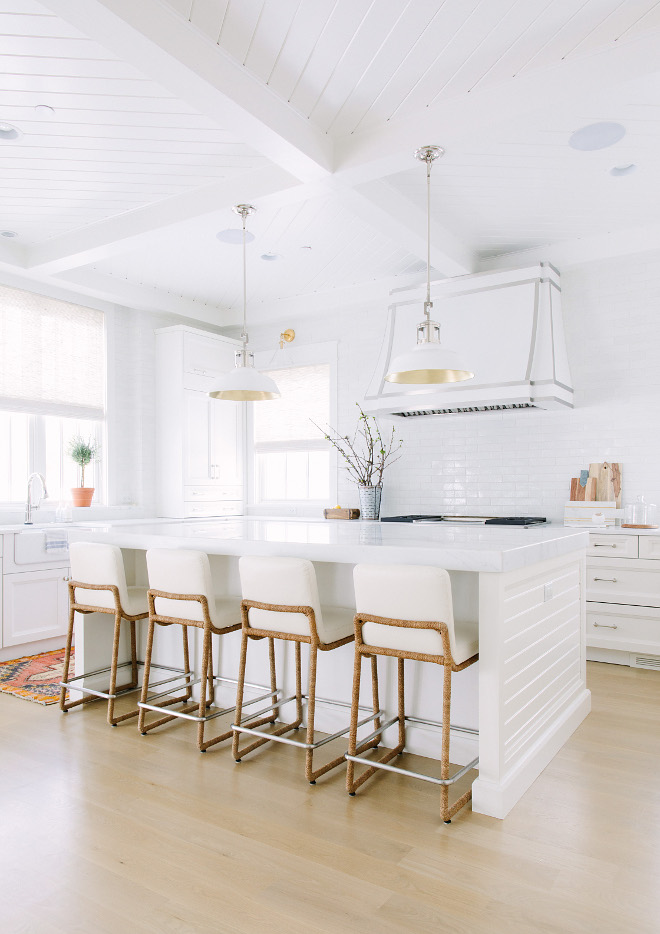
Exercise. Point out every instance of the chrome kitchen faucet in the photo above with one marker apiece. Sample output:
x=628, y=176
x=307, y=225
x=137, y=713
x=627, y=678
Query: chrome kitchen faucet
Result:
x=29, y=505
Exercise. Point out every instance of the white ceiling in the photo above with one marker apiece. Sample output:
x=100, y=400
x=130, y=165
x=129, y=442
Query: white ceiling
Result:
x=167, y=112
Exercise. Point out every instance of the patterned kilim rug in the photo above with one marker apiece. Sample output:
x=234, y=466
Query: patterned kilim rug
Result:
x=34, y=677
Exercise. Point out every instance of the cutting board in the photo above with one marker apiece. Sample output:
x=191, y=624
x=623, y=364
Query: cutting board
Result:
x=586, y=493
x=608, y=482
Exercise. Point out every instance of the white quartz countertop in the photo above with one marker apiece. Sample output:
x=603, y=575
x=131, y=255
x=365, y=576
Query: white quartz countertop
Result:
x=473, y=548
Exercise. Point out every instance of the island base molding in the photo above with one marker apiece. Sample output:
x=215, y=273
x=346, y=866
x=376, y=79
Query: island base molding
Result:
x=496, y=799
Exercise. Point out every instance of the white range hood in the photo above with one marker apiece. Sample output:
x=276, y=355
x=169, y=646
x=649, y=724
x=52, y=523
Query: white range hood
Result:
x=507, y=325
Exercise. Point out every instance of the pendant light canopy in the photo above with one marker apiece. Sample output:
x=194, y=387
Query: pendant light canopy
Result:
x=244, y=383
x=429, y=361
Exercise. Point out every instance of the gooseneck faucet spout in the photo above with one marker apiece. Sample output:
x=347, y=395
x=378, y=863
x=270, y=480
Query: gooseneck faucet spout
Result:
x=29, y=505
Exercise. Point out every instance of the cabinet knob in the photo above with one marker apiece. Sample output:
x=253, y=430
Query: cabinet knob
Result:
x=66, y=579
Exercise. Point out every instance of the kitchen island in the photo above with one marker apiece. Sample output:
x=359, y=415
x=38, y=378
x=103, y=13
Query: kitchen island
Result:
x=528, y=692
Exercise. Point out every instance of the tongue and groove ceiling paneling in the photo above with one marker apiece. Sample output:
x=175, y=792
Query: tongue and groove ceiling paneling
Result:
x=168, y=111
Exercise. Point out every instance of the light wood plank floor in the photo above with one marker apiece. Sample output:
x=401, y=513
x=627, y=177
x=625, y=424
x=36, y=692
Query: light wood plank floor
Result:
x=107, y=832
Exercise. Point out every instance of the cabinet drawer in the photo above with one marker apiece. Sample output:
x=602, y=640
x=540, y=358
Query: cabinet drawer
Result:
x=635, y=630
x=612, y=583
x=205, y=494
x=207, y=510
x=613, y=546
x=649, y=547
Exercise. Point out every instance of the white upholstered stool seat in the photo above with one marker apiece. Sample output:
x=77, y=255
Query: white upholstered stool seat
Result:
x=281, y=601
x=406, y=611
x=98, y=585
x=181, y=593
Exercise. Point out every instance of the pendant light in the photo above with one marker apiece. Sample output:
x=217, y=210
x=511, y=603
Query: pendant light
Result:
x=429, y=361
x=244, y=383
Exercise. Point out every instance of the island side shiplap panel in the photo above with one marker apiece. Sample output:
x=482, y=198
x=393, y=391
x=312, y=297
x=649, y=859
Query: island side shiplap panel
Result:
x=541, y=654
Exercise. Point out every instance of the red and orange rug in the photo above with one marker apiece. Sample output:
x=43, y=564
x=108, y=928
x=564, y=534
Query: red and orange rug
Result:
x=34, y=677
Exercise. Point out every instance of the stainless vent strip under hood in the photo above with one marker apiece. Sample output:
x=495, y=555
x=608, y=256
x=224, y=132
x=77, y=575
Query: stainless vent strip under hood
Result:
x=508, y=322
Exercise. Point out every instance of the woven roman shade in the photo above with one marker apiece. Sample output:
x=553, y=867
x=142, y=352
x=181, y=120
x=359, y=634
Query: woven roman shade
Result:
x=51, y=356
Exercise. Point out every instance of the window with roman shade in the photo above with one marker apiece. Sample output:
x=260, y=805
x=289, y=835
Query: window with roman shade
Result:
x=292, y=459
x=51, y=356
x=52, y=389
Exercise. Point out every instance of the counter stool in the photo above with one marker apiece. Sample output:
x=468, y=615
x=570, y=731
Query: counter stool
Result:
x=98, y=585
x=181, y=593
x=281, y=601
x=406, y=611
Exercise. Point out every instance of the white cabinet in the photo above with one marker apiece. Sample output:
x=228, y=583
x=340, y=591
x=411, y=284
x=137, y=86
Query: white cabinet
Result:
x=35, y=606
x=200, y=440
x=623, y=599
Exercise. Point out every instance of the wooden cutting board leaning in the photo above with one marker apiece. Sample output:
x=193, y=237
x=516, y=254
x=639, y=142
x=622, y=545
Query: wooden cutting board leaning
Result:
x=601, y=483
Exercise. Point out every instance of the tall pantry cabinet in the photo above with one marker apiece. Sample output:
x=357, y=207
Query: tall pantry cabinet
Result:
x=200, y=440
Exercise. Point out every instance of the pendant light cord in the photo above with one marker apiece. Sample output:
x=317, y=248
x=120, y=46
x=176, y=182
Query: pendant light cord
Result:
x=428, y=304
x=244, y=335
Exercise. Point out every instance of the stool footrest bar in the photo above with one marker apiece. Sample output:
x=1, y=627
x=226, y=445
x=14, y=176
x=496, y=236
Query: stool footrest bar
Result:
x=372, y=763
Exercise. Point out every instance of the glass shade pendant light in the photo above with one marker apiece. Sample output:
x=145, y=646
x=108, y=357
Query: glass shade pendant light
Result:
x=244, y=383
x=429, y=361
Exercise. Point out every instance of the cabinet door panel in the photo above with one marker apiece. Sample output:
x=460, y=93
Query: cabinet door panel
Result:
x=612, y=546
x=226, y=442
x=35, y=606
x=623, y=582
x=197, y=438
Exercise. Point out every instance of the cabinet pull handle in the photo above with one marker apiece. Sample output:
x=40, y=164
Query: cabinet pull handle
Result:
x=604, y=626
x=603, y=545
x=610, y=580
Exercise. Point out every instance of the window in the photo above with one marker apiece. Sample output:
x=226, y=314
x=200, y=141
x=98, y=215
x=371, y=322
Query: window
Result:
x=52, y=387
x=292, y=458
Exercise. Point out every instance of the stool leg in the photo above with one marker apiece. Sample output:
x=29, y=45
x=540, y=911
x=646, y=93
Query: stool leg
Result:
x=113, y=670
x=186, y=662
x=273, y=675
x=311, y=710
x=67, y=660
x=299, y=709
x=204, y=686
x=352, y=784
x=147, y=671
x=402, y=707
x=134, y=660
x=352, y=736
x=239, y=695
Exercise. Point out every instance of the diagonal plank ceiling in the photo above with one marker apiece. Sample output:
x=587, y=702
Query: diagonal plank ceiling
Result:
x=164, y=113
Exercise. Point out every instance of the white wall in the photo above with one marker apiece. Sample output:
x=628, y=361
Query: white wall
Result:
x=521, y=462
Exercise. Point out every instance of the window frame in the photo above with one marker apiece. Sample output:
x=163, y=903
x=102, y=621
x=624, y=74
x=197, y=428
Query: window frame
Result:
x=322, y=353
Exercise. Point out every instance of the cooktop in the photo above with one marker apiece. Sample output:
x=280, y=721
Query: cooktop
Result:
x=470, y=520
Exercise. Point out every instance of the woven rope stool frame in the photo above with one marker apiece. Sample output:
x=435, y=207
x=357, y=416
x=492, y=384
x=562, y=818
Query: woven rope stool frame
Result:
x=207, y=679
x=250, y=632
x=354, y=753
x=113, y=692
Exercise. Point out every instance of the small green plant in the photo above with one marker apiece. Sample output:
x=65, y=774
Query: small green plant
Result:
x=82, y=452
x=366, y=454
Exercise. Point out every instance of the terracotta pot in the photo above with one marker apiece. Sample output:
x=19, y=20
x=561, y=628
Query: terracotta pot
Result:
x=82, y=495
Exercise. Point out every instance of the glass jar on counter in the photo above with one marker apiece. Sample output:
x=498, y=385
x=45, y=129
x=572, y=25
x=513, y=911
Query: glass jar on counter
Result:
x=640, y=515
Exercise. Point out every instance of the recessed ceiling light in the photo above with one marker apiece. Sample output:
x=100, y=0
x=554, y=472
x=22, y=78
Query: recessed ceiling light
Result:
x=271, y=257
x=44, y=110
x=8, y=132
x=617, y=170
x=8, y=233
x=234, y=235
x=596, y=136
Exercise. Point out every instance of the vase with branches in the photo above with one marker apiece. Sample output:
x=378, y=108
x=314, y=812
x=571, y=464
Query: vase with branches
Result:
x=82, y=452
x=365, y=454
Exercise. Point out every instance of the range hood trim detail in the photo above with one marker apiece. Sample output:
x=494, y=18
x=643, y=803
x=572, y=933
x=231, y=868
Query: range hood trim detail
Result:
x=539, y=358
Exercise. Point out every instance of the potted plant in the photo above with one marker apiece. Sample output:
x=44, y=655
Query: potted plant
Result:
x=365, y=457
x=82, y=452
